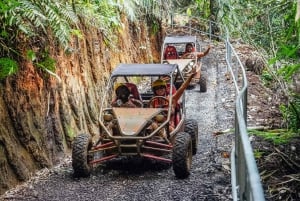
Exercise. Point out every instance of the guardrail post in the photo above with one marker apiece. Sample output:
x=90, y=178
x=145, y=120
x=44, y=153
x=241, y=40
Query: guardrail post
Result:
x=171, y=18
x=228, y=54
x=210, y=27
x=190, y=26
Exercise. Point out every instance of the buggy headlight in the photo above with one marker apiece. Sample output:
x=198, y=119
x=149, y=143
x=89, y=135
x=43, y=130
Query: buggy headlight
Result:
x=107, y=117
x=191, y=63
x=160, y=118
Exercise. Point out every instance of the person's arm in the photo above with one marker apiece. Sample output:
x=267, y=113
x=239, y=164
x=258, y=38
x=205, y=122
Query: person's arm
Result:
x=203, y=54
x=116, y=103
x=136, y=102
x=188, y=55
x=184, y=85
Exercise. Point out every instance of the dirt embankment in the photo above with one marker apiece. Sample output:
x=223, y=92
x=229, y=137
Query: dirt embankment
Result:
x=41, y=114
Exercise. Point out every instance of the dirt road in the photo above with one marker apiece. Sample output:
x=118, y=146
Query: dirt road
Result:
x=143, y=180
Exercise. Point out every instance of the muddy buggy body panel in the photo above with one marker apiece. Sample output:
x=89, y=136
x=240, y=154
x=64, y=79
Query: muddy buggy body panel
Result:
x=177, y=44
x=142, y=131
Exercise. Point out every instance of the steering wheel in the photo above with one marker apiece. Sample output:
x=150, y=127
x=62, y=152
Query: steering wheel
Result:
x=163, y=102
x=190, y=55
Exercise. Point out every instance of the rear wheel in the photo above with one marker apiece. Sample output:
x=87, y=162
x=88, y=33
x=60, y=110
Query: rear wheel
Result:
x=191, y=127
x=80, y=157
x=202, y=83
x=182, y=155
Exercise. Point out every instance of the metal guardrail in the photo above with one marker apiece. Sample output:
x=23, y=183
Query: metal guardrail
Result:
x=245, y=179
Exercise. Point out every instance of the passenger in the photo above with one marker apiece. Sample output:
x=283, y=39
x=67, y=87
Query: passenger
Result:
x=159, y=88
x=124, y=97
x=169, y=85
x=190, y=52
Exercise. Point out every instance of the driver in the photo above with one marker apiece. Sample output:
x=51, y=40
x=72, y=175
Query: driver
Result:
x=190, y=52
x=124, y=97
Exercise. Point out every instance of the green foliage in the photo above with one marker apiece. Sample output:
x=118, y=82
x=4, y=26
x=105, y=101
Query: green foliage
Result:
x=199, y=8
x=31, y=16
x=70, y=133
x=100, y=14
x=59, y=18
x=291, y=113
x=77, y=33
x=155, y=28
x=288, y=71
x=275, y=136
x=31, y=55
x=204, y=8
x=189, y=12
x=47, y=64
x=269, y=25
x=267, y=78
x=152, y=10
x=258, y=154
x=7, y=67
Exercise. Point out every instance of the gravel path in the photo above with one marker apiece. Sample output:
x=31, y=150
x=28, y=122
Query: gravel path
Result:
x=143, y=180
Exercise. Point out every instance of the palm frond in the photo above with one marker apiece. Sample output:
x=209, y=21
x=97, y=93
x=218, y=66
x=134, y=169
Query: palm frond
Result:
x=32, y=15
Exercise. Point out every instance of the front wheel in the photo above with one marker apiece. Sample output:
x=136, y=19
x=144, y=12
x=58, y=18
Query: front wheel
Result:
x=182, y=155
x=80, y=157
